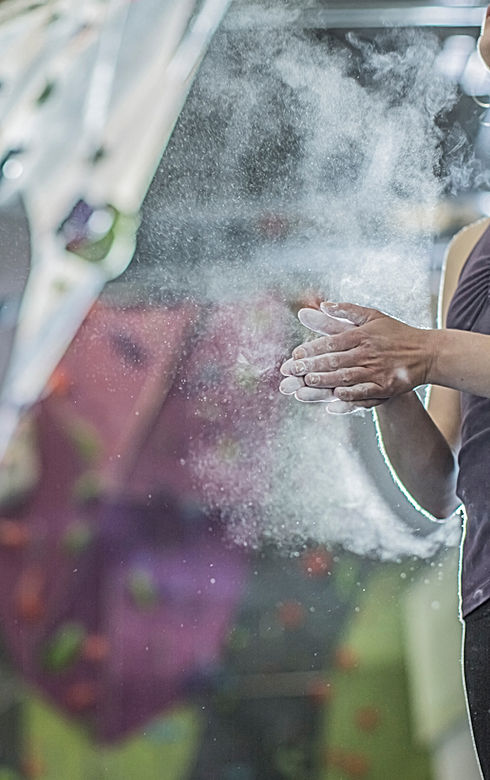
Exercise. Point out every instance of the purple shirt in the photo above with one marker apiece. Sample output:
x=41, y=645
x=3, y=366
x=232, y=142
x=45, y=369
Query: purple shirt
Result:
x=470, y=310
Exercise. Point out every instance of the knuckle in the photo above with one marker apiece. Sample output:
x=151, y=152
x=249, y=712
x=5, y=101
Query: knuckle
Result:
x=313, y=364
x=344, y=378
x=365, y=343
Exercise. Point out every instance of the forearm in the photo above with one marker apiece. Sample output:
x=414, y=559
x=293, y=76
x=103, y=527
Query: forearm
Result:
x=461, y=360
x=418, y=454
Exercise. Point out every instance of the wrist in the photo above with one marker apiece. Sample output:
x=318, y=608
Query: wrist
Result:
x=433, y=347
x=429, y=346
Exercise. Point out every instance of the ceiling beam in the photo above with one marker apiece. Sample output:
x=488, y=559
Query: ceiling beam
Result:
x=351, y=18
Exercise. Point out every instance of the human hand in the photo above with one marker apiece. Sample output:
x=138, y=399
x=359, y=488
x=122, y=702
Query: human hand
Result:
x=379, y=358
x=319, y=322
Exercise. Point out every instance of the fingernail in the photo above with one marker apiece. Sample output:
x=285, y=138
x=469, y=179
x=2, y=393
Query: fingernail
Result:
x=287, y=368
x=312, y=379
x=290, y=385
x=299, y=353
x=299, y=368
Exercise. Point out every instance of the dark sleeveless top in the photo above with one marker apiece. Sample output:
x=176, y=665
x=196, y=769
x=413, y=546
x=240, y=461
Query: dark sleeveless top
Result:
x=470, y=310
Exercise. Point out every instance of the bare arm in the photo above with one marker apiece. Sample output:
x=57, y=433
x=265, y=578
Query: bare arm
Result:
x=419, y=453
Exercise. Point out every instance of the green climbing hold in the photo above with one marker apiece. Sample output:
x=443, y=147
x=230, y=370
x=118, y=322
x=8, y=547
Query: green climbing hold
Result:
x=64, y=647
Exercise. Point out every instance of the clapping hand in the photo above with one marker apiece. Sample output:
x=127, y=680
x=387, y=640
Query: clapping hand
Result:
x=363, y=358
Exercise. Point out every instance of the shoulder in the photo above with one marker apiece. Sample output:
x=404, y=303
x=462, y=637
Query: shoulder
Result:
x=456, y=255
x=466, y=238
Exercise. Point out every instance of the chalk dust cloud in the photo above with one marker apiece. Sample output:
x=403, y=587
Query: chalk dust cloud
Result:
x=303, y=162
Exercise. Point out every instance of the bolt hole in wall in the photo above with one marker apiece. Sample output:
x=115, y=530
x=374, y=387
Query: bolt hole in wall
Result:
x=202, y=579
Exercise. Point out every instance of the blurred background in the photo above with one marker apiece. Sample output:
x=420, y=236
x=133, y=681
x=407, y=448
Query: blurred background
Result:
x=199, y=580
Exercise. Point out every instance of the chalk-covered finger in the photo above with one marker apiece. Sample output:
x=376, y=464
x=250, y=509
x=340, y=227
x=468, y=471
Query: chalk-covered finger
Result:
x=291, y=384
x=344, y=377
x=369, y=404
x=364, y=391
x=359, y=315
x=329, y=361
x=311, y=348
x=311, y=396
x=322, y=322
x=341, y=408
x=341, y=342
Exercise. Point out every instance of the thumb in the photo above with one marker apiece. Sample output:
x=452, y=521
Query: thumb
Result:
x=321, y=322
x=359, y=315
